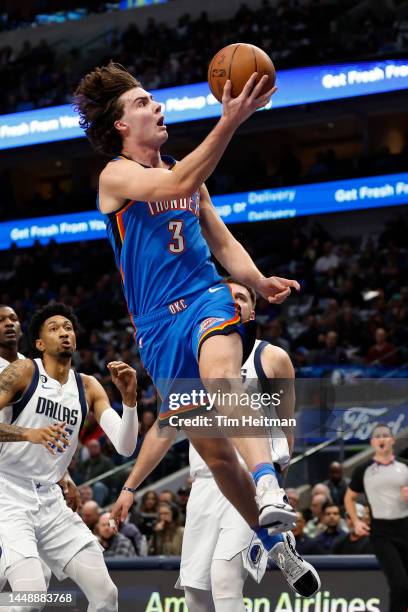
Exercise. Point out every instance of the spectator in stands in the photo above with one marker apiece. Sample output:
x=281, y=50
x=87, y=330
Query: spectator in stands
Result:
x=130, y=531
x=182, y=499
x=293, y=497
x=331, y=518
x=332, y=354
x=167, y=496
x=88, y=364
x=96, y=465
x=167, y=535
x=321, y=487
x=91, y=430
x=274, y=334
x=349, y=327
x=145, y=517
x=382, y=352
x=305, y=545
x=114, y=544
x=337, y=483
x=90, y=513
x=329, y=318
x=309, y=337
x=295, y=35
x=315, y=525
x=150, y=502
x=86, y=494
x=351, y=543
x=300, y=357
x=328, y=261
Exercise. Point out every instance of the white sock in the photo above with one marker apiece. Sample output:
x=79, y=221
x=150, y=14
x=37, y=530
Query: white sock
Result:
x=269, y=481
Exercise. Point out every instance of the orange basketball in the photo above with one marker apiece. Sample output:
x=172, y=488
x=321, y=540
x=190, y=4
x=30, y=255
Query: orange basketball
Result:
x=237, y=62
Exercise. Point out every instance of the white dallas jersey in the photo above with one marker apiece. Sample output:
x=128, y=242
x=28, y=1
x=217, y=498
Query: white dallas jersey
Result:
x=44, y=403
x=5, y=414
x=250, y=371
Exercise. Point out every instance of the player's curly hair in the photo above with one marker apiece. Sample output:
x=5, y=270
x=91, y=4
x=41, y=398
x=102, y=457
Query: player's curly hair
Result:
x=96, y=101
x=40, y=316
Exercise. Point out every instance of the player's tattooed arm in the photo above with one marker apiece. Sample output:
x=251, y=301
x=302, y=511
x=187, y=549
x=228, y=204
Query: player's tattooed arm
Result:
x=12, y=433
x=13, y=381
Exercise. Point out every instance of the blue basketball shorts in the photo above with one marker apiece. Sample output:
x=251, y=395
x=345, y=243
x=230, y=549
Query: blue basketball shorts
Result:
x=170, y=339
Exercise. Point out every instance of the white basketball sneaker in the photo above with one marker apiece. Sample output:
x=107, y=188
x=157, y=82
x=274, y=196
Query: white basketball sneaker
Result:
x=300, y=575
x=275, y=512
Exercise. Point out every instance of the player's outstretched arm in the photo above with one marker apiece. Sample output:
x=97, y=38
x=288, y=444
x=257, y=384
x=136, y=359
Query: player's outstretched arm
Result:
x=14, y=380
x=124, y=179
x=154, y=448
x=122, y=432
x=235, y=259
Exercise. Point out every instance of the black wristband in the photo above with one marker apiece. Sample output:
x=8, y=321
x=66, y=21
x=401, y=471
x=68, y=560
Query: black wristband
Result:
x=130, y=489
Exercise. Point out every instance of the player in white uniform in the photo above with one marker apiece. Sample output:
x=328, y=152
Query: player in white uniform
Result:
x=10, y=335
x=36, y=447
x=218, y=546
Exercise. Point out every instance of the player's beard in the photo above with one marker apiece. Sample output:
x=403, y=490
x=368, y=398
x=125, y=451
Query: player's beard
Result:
x=65, y=354
x=9, y=343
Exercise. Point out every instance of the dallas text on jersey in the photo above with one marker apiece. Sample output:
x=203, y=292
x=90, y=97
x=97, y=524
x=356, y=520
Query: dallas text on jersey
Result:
x=56, y=411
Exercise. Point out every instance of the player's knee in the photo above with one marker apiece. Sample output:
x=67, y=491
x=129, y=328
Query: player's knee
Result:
x=219, y=458
x=25, y=574
x=227, y=578
x=218, y=464
x=221, y=588
x=217, y=370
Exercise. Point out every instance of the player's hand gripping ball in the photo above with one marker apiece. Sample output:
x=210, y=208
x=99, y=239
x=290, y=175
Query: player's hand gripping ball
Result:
x=237, y=62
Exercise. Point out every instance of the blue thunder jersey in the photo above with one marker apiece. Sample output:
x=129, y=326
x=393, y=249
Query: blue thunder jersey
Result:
x=160, y=251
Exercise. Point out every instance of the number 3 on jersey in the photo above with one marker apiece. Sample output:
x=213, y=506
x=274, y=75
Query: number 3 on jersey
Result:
x=177, y=243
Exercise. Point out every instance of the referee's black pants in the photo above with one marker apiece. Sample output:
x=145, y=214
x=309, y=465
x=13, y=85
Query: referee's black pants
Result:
x=390, y=542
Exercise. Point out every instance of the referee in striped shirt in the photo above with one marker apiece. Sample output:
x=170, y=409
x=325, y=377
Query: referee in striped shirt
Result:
x=384, y=480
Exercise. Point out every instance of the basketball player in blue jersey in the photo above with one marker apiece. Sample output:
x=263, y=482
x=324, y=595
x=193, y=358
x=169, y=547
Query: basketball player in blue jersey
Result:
x=162, y=226
x=49, y=404
x=218, y=547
